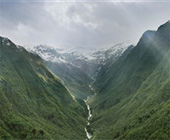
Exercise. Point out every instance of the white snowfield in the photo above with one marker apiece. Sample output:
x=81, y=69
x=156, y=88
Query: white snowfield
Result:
x=75, y=56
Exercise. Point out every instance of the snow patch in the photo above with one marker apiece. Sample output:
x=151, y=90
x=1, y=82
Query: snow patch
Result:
x=78, y=56
x=8, y=43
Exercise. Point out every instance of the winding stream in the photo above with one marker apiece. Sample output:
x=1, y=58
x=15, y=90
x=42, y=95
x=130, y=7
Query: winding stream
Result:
x=88, y=128
x=90, y=115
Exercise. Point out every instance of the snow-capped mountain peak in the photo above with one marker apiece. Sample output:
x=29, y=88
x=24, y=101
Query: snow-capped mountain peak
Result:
x=48, y=53
x=82, y=58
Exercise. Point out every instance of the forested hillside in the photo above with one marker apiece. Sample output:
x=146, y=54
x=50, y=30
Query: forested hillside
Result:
x=133, y=100
x=33, y=102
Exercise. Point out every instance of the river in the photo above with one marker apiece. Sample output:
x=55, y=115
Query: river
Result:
x=88, y=130
x=90, y=115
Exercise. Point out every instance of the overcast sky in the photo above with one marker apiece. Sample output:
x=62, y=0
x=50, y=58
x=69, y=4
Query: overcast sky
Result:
x=80, y=24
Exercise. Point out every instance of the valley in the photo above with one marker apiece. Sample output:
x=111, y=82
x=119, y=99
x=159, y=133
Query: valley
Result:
x=121, y=92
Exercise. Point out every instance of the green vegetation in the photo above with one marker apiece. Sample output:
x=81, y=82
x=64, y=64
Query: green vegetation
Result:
x=33, y=102
x=73, y=78
x=133, y=100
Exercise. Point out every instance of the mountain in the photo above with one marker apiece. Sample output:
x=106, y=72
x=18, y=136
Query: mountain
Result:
x=122, y=92
x=104, y=56
x=86, y=60
x=91, y=60
x=61, y=65
x=34, y=104
x=77, y=68
x=133, y=94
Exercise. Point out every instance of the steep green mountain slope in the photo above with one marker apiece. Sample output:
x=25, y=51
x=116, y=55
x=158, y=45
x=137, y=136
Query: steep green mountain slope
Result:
x=73, y=78
x=33, y=102
x=133, y=100
x=63, y=65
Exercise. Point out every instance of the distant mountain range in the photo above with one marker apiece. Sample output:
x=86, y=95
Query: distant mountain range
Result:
x=79, y=57
x=76, y=67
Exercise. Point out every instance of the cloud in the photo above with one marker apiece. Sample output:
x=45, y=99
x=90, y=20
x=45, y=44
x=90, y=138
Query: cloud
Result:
x=79, y=24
